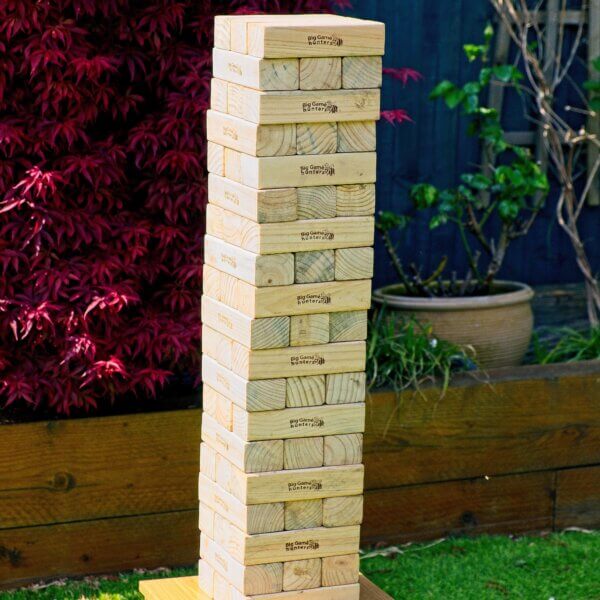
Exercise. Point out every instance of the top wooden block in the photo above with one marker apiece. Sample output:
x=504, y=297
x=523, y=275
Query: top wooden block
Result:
x=296, y=36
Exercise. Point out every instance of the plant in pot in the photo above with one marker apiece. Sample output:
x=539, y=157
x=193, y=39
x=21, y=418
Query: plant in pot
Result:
x=490, y=208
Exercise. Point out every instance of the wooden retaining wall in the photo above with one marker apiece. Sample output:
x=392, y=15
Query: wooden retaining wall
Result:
x=518, y=453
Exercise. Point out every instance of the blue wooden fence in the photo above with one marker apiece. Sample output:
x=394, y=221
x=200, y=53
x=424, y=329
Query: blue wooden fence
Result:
x=428, y=35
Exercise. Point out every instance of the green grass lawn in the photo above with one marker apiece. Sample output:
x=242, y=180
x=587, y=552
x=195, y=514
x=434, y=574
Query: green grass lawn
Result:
x=563, y=566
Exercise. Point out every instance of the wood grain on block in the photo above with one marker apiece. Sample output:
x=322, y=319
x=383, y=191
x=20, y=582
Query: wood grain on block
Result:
x=221, y=587
x=354, y=263
x=355, y=200
x=356, y=136
x=340, y=570
x=250, y=457
x=300, y=422
x=218, y=95
x=362, y=72
x=222, y=32
x=218, y=407
x=302, y=106
x=346, y=388
x=348, y=326
x=344, y=510
x=250, y=138
x=316, y=138
x=297, y=299
x=303, y=514
x=261, y=206
x=321, y=73
x=262, y=395
x=224, y=469
x=250, y=580
x=317, y=202
x=208, y=461
x=285, y=545
x=341, y=357
x=302, y=574
x=305, y=391
x=303, y=453
x=352, y=37
x=259, y=73
x=344, y=449
x=206, y=519
x=314, y=267
x=291, y=236
x=272, y=332
x=253, y=519
x=308, y=330
x=206, y=577
x=215, y=158
x=257, y=269
x=265, y=172
x=301, y=484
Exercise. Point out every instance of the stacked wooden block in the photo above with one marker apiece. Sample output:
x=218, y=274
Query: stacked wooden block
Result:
x=287, y=285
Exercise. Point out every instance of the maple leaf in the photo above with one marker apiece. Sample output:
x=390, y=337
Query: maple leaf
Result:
x=404, y=74
x=398, y=115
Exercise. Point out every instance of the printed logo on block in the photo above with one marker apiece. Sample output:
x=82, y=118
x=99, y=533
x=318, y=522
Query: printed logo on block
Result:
x=305, y=485
x=321, y=298
x=225, y=321
x=307, y=359
x=230, y=132
x=231, y=197
x=313, y=423
x=323, y=39
x=302, y=545
x=229, y=260
x=317, y=234
x=234, y=68
x=223, y=381
x=321, y=106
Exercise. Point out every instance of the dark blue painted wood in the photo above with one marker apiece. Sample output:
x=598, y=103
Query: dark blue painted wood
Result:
x=428, y=35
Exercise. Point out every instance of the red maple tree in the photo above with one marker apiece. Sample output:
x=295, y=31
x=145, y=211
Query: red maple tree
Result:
x=102, y=195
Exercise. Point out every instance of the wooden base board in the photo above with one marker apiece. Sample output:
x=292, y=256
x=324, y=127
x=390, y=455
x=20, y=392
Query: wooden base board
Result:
x=186, y=588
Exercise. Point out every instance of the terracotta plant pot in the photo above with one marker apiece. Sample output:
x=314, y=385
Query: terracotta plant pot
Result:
x=498, y=326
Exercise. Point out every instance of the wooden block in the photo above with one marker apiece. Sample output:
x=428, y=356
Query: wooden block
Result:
x=356, y=136
x=308, y=330
x=224, y=469
x=250, y=457
x=263, y=395
x=314, y=267
x=218, y=407
x=249, y=580
x=302, y=106
x=301, y=422
x=271, y=332
x=265, y=172
x=286, y=545
x=292, y=485
x=303, y=453
x=257, y=269
x=222, y=588
x=305, y=391
x=283, y=238
x=340, y=570
x=302, y=574
x=362, y=72
x=218, y=95
x=355, y=200
x=351, y=37
x=354, y=263
x=259, y=73
x=345, y=388
x=344, y=449
x=348, y=326
x=222, y=32
x=297, y=299
x=206, y=576
x=303, y=514
x=253, y=519
x=316, y=138
x=208, y=461
x=342, y=357
x=215, y=158
x=346, y=510
x=321, y=73
x=250, y=138
x=206, y=519
x=261, y=206
x=316, y=202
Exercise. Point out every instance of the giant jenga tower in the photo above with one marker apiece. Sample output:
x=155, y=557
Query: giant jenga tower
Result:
x=287, y=285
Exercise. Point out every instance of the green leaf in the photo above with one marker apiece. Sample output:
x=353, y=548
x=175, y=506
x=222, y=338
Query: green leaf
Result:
x=488, y=32
x=437, y=221
x=424, y=195
x=454, y=98
x=595, y=104
x=592, y=86
x=506, y=73
x=477, y=181
x=485, y=75
x=473, y=51
x=441, y=90
x=508, y=210
x=387, y=220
